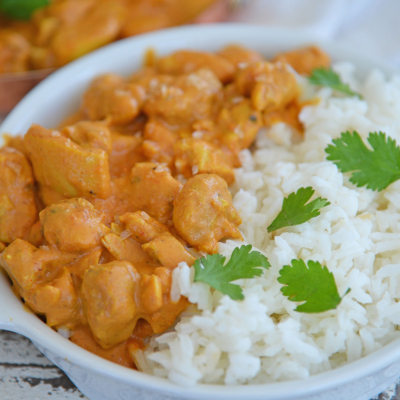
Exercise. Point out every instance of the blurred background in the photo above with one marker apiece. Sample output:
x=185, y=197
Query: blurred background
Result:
x=369, y=26
x=38, y=36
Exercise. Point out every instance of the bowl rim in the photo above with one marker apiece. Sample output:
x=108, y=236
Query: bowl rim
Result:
x=30, y=326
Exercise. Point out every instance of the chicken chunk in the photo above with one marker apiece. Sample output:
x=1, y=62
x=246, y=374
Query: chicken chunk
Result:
x=42, y=279
x=270, y=86
x=57, y=300
x=184, y=61
x=58, y=13
x=73, y=225
x=304, y=60
x=17, y=200
x=75, y=171
x=165, y=276
x=143, y=227
x=126, y=249
x=83, y=263
x=111, y=97
x=168, y=251
x=14, y=52
x=238, y=125
x=204, y=214
x=240, y=56
x=193, y=156
x=164, y=317
x=149, y=187
x=158, y=143
x=149, y=78
x=188, y=98
x=27, y=265
x=70, y=33
x=108, y=294
x=88, y=134
x=155, y=190
x=151, y=293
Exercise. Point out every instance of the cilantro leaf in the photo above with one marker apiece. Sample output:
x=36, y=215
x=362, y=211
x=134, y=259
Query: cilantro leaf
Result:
x=328, y=77
x=21, y=9
x=376, y=168
x=315, y=285
x=295, y=211
x=242, y=264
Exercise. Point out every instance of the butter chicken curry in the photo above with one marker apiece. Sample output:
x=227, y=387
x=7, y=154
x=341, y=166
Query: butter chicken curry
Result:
x=95, y=215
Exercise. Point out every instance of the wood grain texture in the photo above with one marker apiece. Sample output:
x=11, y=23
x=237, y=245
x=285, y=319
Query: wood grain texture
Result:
x=26, y=374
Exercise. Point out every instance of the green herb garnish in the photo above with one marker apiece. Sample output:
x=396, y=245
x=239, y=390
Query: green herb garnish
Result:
x=243, y=264
x=295, y=211
x=315, y=285
x=376, y=168
x=21, y=9
x=328, y=77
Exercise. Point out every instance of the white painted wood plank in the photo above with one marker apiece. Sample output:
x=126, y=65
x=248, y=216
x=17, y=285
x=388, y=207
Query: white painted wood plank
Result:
x=25, y=374
x=30, y=383
x=16, y=349
x=389, y=394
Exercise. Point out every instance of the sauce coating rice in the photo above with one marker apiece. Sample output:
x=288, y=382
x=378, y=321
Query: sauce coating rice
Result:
x=262, y=339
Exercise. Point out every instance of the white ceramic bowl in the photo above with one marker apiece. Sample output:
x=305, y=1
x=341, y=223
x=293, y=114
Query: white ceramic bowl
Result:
x=57, y=97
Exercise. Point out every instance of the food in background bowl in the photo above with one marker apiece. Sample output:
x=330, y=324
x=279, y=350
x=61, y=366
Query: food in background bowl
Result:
x=282, y=322
x=64, y=30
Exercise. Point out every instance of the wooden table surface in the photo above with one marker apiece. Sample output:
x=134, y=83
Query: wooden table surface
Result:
x=25, y=374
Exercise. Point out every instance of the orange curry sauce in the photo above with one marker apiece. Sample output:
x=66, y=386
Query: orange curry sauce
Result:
x=95, y=215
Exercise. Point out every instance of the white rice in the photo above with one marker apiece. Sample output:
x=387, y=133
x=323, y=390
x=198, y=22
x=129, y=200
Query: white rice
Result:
x=262, y=338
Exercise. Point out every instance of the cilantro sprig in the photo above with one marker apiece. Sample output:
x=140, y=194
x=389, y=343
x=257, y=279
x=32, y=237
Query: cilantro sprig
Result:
x=311, y=283
x=295, y=211
x=328, y=77
x=243, y=264
x=376, y=169
x=21, y=9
